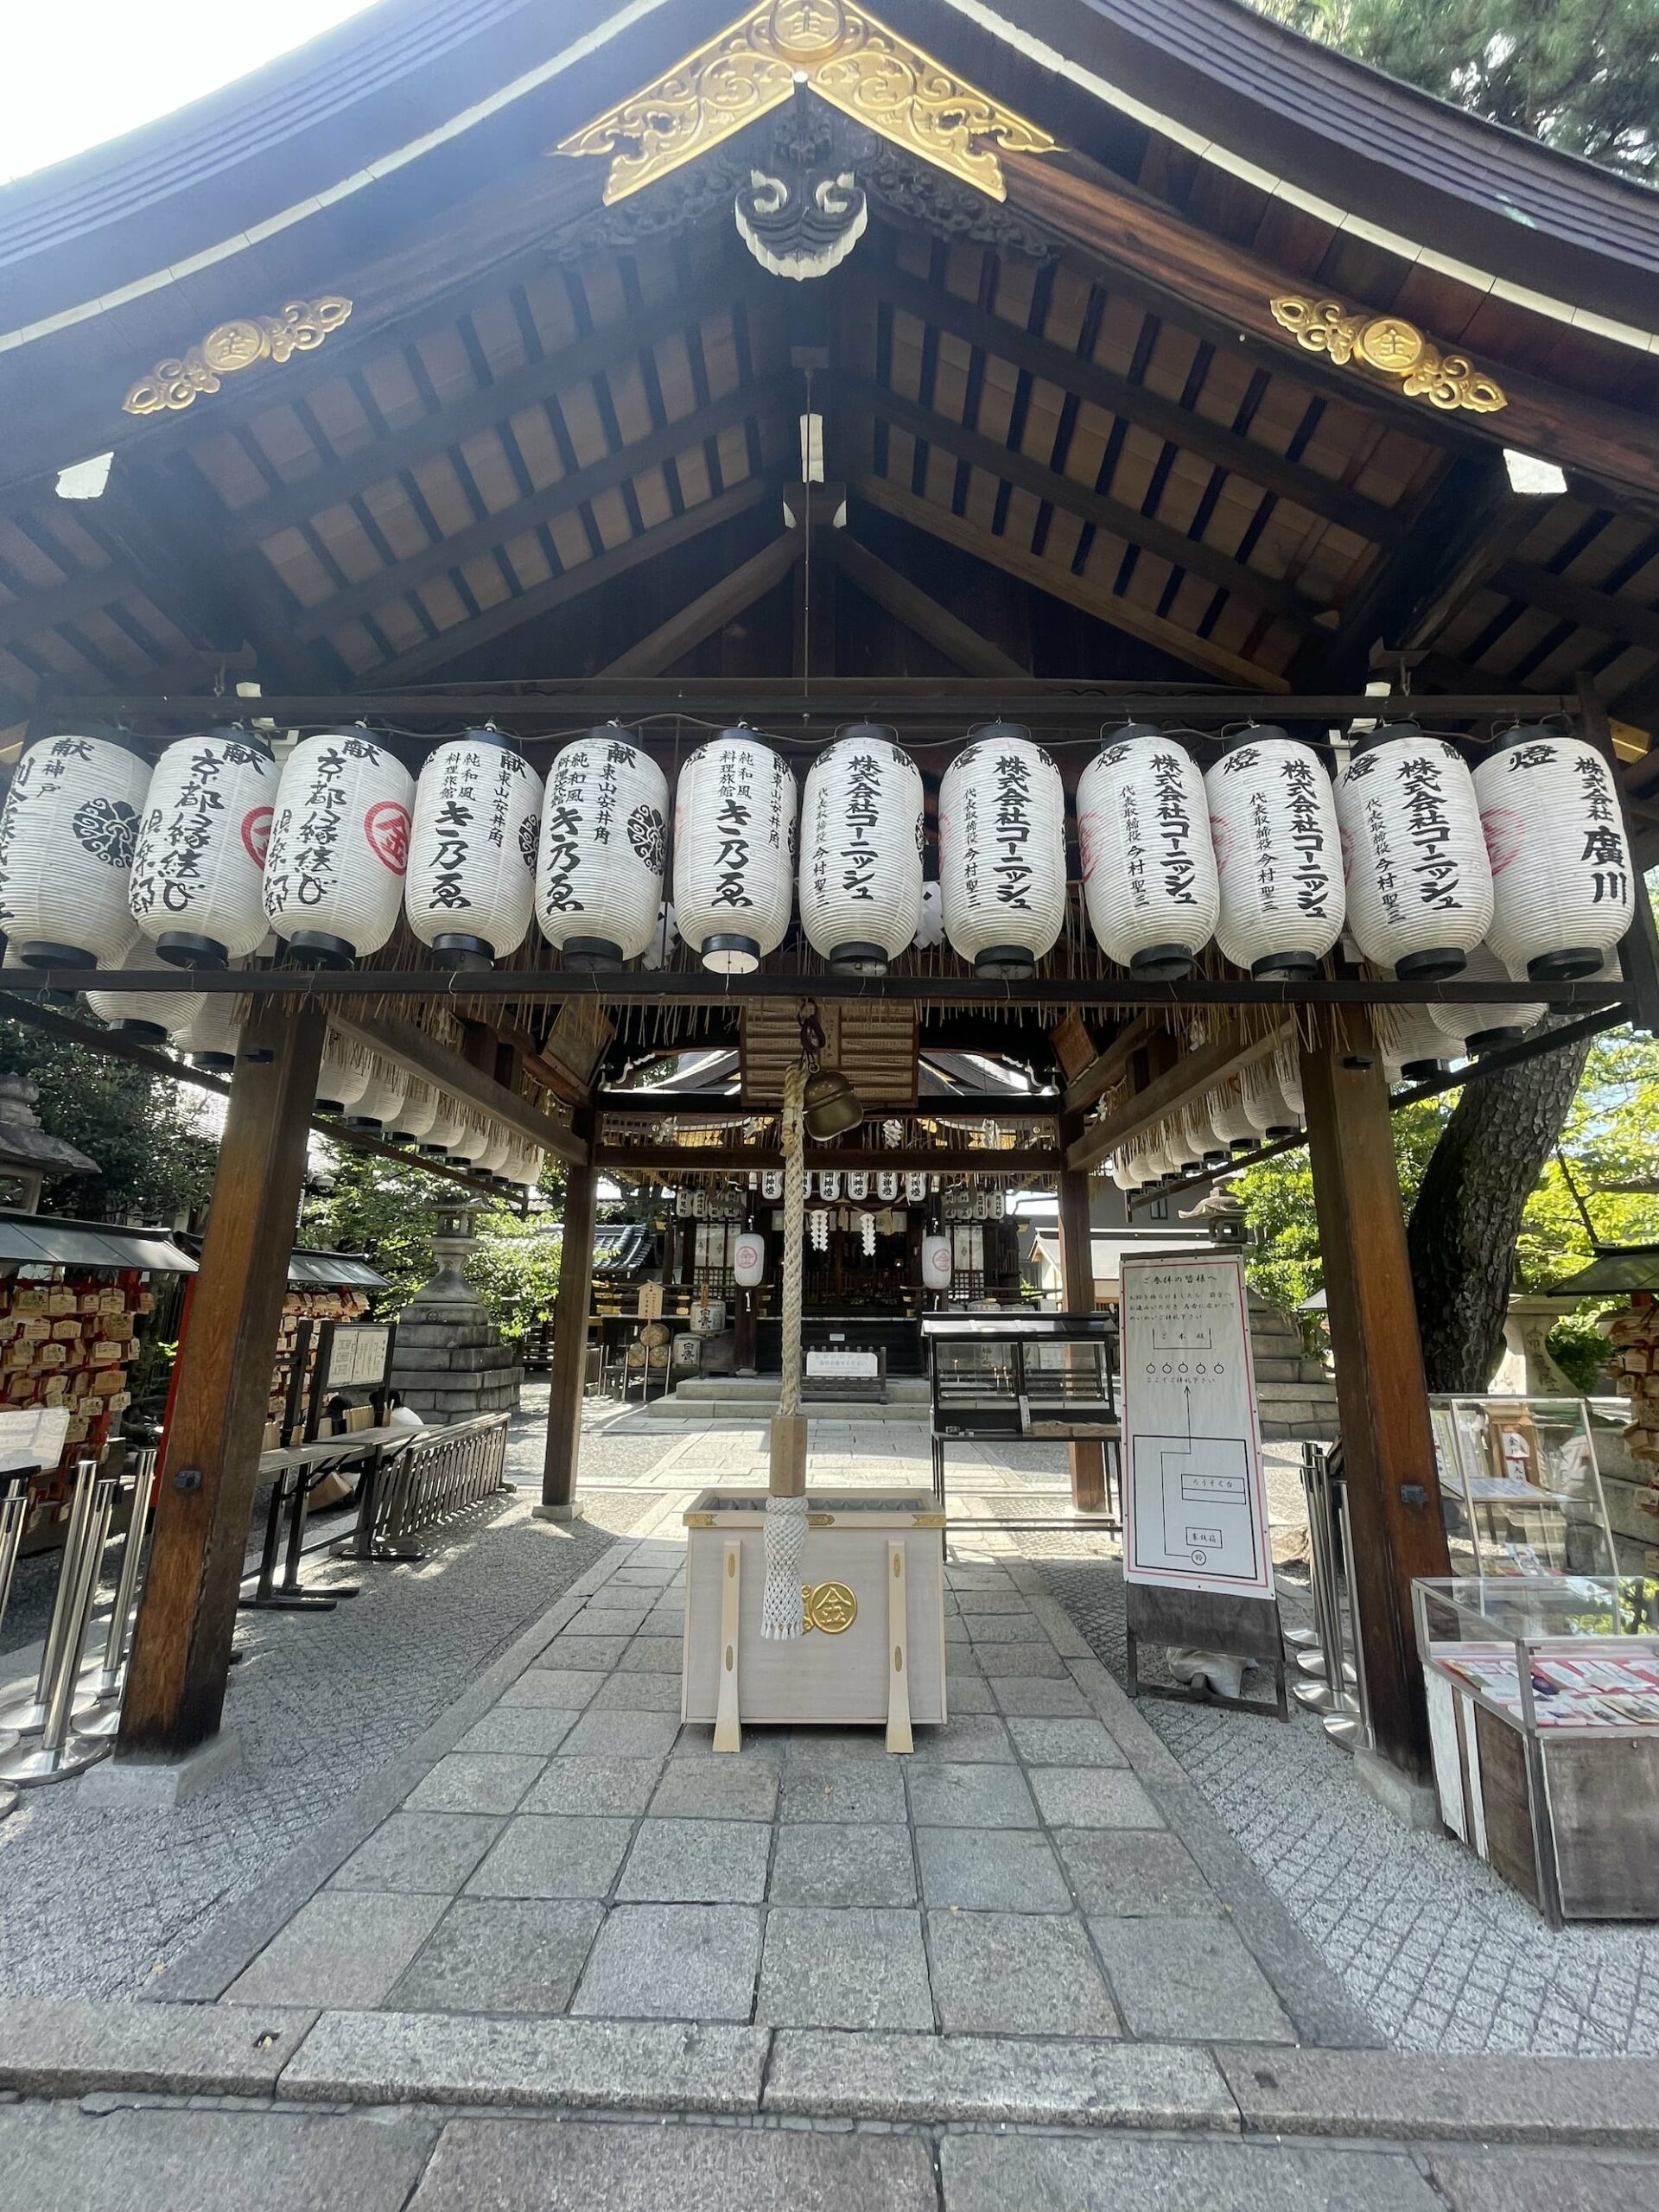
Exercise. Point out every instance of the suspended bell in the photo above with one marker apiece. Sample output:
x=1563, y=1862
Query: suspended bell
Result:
x=830, y=1106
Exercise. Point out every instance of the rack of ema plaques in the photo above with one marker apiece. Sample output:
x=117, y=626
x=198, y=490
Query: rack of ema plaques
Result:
x=1543, y=1707
x=1520, y=1487
x=873, y=1598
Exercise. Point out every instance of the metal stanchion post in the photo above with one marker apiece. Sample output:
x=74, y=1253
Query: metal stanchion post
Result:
x=1349, y=1721
x=101, y=1715
x=27, y=1716
x=60, y=1754
x=1324, y=1660
x=14, y=1518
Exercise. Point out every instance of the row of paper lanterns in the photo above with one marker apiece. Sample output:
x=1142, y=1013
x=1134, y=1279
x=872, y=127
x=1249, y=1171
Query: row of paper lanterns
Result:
x=1420, y=859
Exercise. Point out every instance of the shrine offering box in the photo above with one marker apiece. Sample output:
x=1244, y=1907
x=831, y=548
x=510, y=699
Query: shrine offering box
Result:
x=874, y=1651
x=1543, y=1707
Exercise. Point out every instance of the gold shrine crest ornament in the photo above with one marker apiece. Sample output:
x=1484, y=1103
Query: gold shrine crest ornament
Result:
x=847, y=57
x=1393, y=347
x=831, y=1606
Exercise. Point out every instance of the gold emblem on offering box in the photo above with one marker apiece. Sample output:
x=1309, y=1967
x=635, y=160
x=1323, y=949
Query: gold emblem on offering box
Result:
x=831, y=1607
x=1394, y=347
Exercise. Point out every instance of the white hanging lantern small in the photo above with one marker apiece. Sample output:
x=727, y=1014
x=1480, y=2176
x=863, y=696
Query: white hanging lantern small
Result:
x=1148, y=865
x=1123, y=1172
x=474, y=1142
x=147, y=1017
x=733, y=841
x=772, y=1182
x=198, y=869
x=1287, y=1074
x=1155, y=1163
x=1273, y=825
x=447, y=1126
x=915, y=1185
x=343, y=1073
x=1414, y=1047
x=1419, y=883
x=1183, y=1146
x=749, y=1258
x=210, y=1041
x=929, y=925
x=1484, y=1028
x=1231, y=1124
x=416, y=1114
x=858, y=1184
x=599, y=883
x=829, y=1184
x=68, y=834
x=936, y=1263
x=531, y=1166
x=862, y=851
x=887, y=1185
x=1563, y=887
x=682, y=1204
x=472, y=850
x=493, y=1161
x=1270, y=1113
x=1002, y=851
x=382, y=1101
x=339, y=847
x=1201, y=1135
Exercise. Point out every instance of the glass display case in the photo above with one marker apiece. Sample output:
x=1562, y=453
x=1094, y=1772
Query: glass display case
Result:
x=1520, y=1487
x=1022, y=1375
x=1543, y=1707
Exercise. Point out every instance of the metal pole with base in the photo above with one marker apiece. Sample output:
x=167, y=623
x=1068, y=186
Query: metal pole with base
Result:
x=59, y=1754
x=13, y=1517
x=101, y=1715
x=27, y=1716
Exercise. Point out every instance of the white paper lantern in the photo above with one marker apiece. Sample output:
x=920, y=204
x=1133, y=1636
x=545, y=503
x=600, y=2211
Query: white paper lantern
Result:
x=148, y=1017
x=915, y=1185
x=493, y=1160
x=829, y=1183
x=68, y=834
x=198, y=870
x=936, y=1263
x=447, y=1124
x=1200, y=1133
x=733, y=840
x=862, y=851
x=1414, y=1047
x=211, y=1039
x=858, y=1184
x=1152, y=1158
x=472, y=850
x=378, y=1106
x=1563, y=888
x=339, y=847
x=1273, y=826
x=1123, y=1172
x=416, y=1115
x=1148, y=867
x=749, y=1258
x=1269, y=1112
x=930, y=926
x=343, y=1073
x=1287, y=1074
x=1231, y=1124
x=1002, y=851
x=772, y=1182
x=470, y=1147
x=599, y=882
x=1419, y=884
x=887, y=1185
x=1483, y=1028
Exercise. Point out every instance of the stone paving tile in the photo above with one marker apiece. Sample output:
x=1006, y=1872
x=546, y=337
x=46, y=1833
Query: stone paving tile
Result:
x=1034, y=1696
x=990, y=1869
x=500, y=1955
x=1003, y=1628
x=637, y=1693
x=963, y=1737
x=520, y=1728
x=948, y=1796
x=585, y=1784
x=1036, y=2173
x=1134, y=1871
x=697, y=1862
x=412, y=1852
x=622, y=1735
x=824, y=1782
x=606, y=1618
x=858, y=1968
x=1539, y=2180
x=1041, y=1741
x=343, y=1947
x=653, y=1654
x=68, y=2046
x=842, y=1863
x=1098, y=1797
x=991, y=1601
x=584, y=1653
x=552, y=1684
x=553, y=1855
x=672, y=1962
x=999, y=1661
x=740, y=1787
x=475, y=1781
x=1189, y=1980
x=1018, y=1974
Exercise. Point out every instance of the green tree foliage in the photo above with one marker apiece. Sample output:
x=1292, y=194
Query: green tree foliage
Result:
x=516, y=1268
x=146, y=1133
x=1580, y=74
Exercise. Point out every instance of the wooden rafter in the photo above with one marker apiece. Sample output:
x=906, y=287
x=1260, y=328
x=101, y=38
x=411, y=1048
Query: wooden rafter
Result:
x=1110, y=1065
x=960, y=643
x=709, y=611
x=1608, y=615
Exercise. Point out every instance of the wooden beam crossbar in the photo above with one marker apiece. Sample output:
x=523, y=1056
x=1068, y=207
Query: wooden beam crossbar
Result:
x=958, y=640
x=736, y=1159
x=1192, y=1074
x=710, y=611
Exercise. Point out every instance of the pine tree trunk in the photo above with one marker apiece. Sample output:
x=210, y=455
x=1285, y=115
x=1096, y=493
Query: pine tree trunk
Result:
x=1467, y=1216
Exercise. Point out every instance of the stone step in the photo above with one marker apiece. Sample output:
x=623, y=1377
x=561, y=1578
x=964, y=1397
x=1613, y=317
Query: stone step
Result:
x=676, y=1408
x=902, y=1389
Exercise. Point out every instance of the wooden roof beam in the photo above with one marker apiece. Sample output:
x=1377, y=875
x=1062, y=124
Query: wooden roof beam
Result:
x=967, y=648
x=1112, y=1064
x=1626, y=621
x=709, y=611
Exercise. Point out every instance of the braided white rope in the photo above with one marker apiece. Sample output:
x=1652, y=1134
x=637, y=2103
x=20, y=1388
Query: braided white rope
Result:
x=782, y=1616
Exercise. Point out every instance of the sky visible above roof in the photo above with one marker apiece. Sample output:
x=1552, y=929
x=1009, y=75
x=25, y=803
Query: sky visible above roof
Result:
x=86, y=71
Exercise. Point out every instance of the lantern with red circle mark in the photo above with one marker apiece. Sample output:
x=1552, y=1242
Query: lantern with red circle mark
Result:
x=1563, y=888
x=198, y=871
x=68, y=831
x=749, y=1258
x=339, y=848
x=936, y=1264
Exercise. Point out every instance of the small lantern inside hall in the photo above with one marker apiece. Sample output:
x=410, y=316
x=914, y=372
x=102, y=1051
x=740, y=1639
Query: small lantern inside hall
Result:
x=862, y=851
x=733, y=847
x=1002, y=851
x=1273, y=825
x=599, y=882
x=68, y=831
x=1148, y=865
x=749, y=1258
x=1418, y=882
x=472, y=850
x=339, y=847
x=1563, y=888
x=936, y=1263
x=198, y=869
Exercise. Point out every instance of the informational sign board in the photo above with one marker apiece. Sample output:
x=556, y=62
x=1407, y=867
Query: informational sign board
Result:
x=842, y=1363
x=1195, y=1514
x=359, y=1357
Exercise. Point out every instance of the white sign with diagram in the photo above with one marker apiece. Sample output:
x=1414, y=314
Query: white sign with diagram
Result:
x=1195, y=1513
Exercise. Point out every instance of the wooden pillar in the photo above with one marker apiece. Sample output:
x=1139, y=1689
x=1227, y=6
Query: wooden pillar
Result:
x=1077, y=1285
x=570, y=1331
x=1394, y=1496
x=181, y=1649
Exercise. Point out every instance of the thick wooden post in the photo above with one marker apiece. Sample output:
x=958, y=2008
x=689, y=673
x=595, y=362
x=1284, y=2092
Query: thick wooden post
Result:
x=1394, y=1494
x=1077, y=1284
x=570, y=1332
x=181, y=1649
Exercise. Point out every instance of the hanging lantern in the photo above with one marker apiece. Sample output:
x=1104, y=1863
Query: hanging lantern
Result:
x=1156, y=1162
x=1563, y=888
x=1231, y=1124
x=1287, y=1074
x=343, y=1073
x=733, y=838
x=470, y=1147
x=772, y=1182
x=1002, y=851
x=382, y=1102
x=197, y=868
x=930, y=925
x=1122, y=1170
x=1269, y=1112
x=1273, y=826
x=936, y=1263
x=67, y=833
x=339, y=847
x=472, y=850
x=210, y=1041
x=915, y=1185
x=1419, y=883
x=599, y=883
x=493, y=1159
x=829, y=1184
x=1201, y=1136
x=858, y=1184
x=682, y=1204
x=530, y=1167
x=1483, y=1028
x=1148, y=867
x=862, y=851
x=416, y=1114
x=749, y=1260
x=887, y=1185
x=1183, y=1146
x=147, y=1017
x=449, y=1126
x=1414, y=1047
